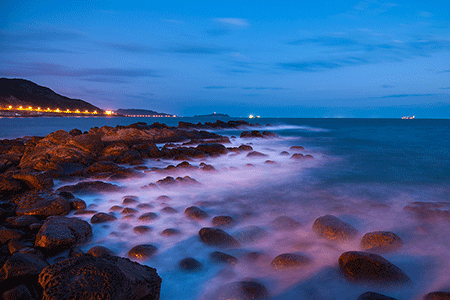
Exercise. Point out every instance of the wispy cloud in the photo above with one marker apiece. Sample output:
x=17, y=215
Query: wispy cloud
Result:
x=215, y=87
x=132, y=47
x=408, y=95
x=233, y=21
x=445, y=88
x=260, y=88
x=199, y=50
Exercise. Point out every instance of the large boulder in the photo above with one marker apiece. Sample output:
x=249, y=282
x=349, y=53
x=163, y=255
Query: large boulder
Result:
x=212, y=148
x=217, y=237
x=334, y=229
x=62, y=233
x=41, y=204
x=371, y=268
x=89, y=187
x=9, y=186
x=87, y=277
x=35, y=180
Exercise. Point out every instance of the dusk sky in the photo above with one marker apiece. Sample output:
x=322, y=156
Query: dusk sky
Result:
x=270, y=58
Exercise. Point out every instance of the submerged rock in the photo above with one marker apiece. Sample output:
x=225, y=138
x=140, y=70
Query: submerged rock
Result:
x=334, y=229
x=371, y=268
x=429, y=210
x=250, y=234
x=284, y=223
x=223, y=221
x=195, y=213
x=142, y=251
x=221, y=257
x=87, y=278
x=190, y=264
x=289, y=261
x=381, y=241
x=217, y=237
x=102, y=218
x=100, y=251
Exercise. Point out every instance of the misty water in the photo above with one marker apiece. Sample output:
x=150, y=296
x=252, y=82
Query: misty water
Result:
x=364, y=171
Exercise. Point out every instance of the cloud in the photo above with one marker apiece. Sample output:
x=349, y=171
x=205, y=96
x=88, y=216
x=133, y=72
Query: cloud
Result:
x=445, y=88
x=233, y=21
x=326, y=41
x=131, y=48
x=321, y=65
x=215, y=87
x=260, y=88
x=408, y=95
x=199, y=50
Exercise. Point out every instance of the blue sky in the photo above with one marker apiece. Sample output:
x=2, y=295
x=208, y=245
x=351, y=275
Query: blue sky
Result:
x=271, y=58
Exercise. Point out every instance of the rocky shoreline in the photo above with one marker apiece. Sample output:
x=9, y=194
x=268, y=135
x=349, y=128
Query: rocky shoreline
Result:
x=40, y=245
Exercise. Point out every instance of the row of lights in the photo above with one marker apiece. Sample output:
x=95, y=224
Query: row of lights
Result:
x=67, y=111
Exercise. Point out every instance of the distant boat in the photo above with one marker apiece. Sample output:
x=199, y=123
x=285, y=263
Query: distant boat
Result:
x=408, y=117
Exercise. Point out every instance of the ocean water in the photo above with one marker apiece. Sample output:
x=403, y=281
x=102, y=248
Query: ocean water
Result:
x=365, y=171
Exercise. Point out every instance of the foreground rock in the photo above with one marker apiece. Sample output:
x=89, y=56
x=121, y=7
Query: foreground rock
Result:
x=41, y=204
x=334, y=229
x=89, y=187
x=381, y=241
x=87, y=277
x=62, y=233
x=370, y=268
x=217, y=237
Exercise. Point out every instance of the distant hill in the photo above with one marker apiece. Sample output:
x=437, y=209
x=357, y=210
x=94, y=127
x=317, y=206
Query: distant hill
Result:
x=23, y=92
x=139, y=112
x=213, y=116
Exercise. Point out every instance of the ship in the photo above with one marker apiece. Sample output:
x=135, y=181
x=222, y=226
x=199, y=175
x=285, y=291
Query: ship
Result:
x=408, y=117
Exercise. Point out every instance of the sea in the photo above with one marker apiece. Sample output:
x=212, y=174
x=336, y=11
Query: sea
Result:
x=364, y=171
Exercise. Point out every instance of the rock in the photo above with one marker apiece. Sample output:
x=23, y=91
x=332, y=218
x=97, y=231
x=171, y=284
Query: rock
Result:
x=250, y=234
x=9, y=186
x=41, y=204
x=221, y=257
x=245, y=148
x=296, y=148
x=284, y=153
x=129, y=210
x=437, y=296
x=217, y=237
x=195, y=213
x=284, y=223
x=289, y=261
x=77, y=204
x=88, y=278
x=374, y=296
x=142, y=229
x=15, y=245
x=102, y=218
x=429, y=210
x=268, y=134
x=100, y=251
x=334, y=229
x=35, y=180
x=20, y=292
x=190, y=264
x=163, y=198
x=251, y=134
x=101, y=167
x=256, y=154
x=21, y=222
x=142, y=252
x=130, y=201
x=240, y=290
x=21, y=268
x=170, y=232
x=371, y=268
x=299, y=156
x=169, y=210
x=208, y=168
x=147, y=217
x=75, y=132
x=144, y=206
x=89, y=187
x=212, y=148
x=9, y=234
x=381, y=241
x=223, y=221
x=61, y=233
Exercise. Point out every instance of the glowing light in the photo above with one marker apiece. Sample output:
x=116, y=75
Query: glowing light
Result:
x=108, y=112
x=30, y=108
x=251, y=116
x=77, y=111
x=57, y=110
x=9, y=107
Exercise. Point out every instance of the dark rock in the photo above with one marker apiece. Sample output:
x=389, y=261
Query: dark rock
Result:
x=75, y=132
x=61, y=233
x=163, y=198
x=217, y=237
x=221, y=257
x=437, y=296
x=89, y=187
x=102, y=167
x=41, y=204
x=142, y=252
x=9, y=234
x=223, y=221
x=299, y=156
x=21, y=268
x=77, y=204
x=130, y=201
x=429, y=210
x=116, y=208
x=82, y=212
x=381, y=241
x=144, y=206
x=251, y=134
x=35, y=180
x=284, y=153
x=241, y=290
x=256, y=154
x=169, y=210
x=170, y=232
x=102, y=218
x=296, y=148
x=142, y=229
x=15, y=245
x=284, y=223
x=167, y=181
x=245, y=148
x=212, y=148
x=21, y=222
x=374, y=296
x=147, y=217
x=20, y=292
x=128, y=156
x=334, y=229
x=129, y=210
x=195, y=213
x=208, y=168
x=9, y=186
x=372, y=268
x=190, y=264
x=66, y=195
x=100, y=251
x=268, y=134
x=289, y=261
x=250, y=234
x=88, y=278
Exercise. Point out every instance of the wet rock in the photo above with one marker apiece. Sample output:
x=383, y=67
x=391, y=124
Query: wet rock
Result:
x=169, y=180
x=221, y=257
x=144, y=206
x=7, y=234
x=217, y=237
x=381, y=241
x=142, y=252
x=437, y=296
x=15, y=245
x=61, y=233
x=284, y=153
x=284, y=223
x=75, y=132
x=128, y=156
x=116, y=208
x=289, y=261
x=245, y=148
x=88, y=277
x=10, y=186
x=101, y=167
x=21, y=222
x=170, y=232
x=241, y=290
x=129, y=210
x=334, y=229
x=142, y=229
x=223, y=221
x=77, y=204
x=296, y=148
x=212, y=148
x=195, y=213
x=250, y=234
x=147, y=217
x=102, y=218
x=163, y=198
x=66, y=195
x=429, y=210
x=169, y=210
x=371, y=268
x=299, y=156
x=35, y=180
x=20, y=268
x=82, y=212
x=208, y=168
x=268, y=134
x=127, y=201
x=41, y=204
x=89, y=187
x=190, y=264
x=374, y=296
x=251, y=134
x=20, y=292
x=256, y=154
